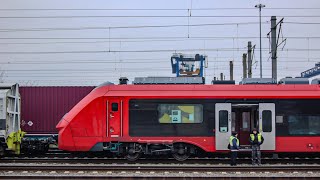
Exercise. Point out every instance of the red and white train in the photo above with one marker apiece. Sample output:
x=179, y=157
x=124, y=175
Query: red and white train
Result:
x=182, y=119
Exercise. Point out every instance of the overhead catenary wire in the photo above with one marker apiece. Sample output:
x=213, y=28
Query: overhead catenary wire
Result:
x=139, y=26
x=221, y=64
x=133, y=41
x=154, y=9
x=302, y=23
x=142, y=61
x=100, y=74
x=123, y=27
x=148, y=38
x=86, y=76
x=154, y=16
x=142, y=51
x=113, y=41
x=106, y=70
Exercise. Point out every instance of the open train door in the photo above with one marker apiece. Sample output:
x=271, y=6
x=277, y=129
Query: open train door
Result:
x=223, y=125
x=267, y=126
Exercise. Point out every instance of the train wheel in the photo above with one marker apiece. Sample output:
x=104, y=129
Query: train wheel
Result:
x=181, y=153
x=133, y=155
x=180, y=157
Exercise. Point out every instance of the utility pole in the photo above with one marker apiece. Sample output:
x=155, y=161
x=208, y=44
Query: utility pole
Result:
x=249, y=60
x=260, y=6
x=231, y=70
x=244, y=64
x=274, y=47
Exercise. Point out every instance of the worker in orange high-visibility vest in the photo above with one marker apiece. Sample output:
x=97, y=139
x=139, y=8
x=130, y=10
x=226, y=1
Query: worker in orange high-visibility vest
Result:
x=256, y=139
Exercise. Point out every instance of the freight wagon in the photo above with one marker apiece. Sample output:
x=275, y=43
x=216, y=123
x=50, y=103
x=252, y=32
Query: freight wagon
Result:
x=41, y=109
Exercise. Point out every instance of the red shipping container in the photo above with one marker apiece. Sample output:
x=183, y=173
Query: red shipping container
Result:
x=43, y=107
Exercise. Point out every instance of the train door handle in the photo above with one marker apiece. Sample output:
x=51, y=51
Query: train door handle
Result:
x=111, y=116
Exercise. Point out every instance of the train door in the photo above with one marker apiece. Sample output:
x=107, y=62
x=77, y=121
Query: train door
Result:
x=223, y=125
x=243, y=121
x=267, y=125
x=114, y=118
x=244, y=126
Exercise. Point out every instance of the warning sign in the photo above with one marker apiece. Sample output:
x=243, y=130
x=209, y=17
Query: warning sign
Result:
x=30, y=123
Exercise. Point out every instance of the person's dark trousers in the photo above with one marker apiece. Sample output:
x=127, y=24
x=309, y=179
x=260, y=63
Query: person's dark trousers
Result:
x=233, y=158
x=256, y=155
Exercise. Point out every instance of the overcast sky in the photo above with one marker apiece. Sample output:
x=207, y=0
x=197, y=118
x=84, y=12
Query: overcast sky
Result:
x=87, y=42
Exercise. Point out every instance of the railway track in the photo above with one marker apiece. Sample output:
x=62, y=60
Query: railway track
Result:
x=208, y=161
x=65, y=166
x=61, y=171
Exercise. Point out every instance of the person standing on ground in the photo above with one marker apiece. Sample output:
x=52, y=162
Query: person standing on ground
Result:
x=234, y=148
x=256, y=139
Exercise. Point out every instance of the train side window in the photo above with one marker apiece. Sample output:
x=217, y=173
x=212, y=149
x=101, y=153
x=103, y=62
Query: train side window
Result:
x=266, y=121
x=223, y=121
x=180, y=113
x=304, y=124
x=114, y=106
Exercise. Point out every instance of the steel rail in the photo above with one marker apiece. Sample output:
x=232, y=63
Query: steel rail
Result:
x=136, y=171
x=157, y=161
x=139, y=167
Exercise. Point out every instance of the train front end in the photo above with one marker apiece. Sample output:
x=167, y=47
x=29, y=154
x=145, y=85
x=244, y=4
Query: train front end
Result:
x=80, y=129
x=65, y=139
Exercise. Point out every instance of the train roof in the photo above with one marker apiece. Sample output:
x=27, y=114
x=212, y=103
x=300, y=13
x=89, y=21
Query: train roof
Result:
x=214, y=91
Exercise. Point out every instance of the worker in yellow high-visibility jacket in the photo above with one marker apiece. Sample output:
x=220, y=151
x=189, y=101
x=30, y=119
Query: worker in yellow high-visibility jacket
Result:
x=234, y=147
x=256, y=139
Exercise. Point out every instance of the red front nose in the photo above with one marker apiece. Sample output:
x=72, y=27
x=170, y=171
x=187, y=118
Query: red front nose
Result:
x=62, y=123
x=65, y=139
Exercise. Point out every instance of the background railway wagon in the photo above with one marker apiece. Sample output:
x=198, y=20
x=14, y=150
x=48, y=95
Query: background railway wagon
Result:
x=43, y=107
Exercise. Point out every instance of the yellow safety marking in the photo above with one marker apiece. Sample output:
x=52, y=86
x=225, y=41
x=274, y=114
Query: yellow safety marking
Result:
x=14, y=141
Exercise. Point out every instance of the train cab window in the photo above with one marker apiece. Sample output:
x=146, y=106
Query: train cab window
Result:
x=266, y=121
x=180, y=113
x=223, y=121
x=114, y=106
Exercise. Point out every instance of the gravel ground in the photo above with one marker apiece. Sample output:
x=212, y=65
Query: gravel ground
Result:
x=160, y=164
x=150, y=174
x=157, y=173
